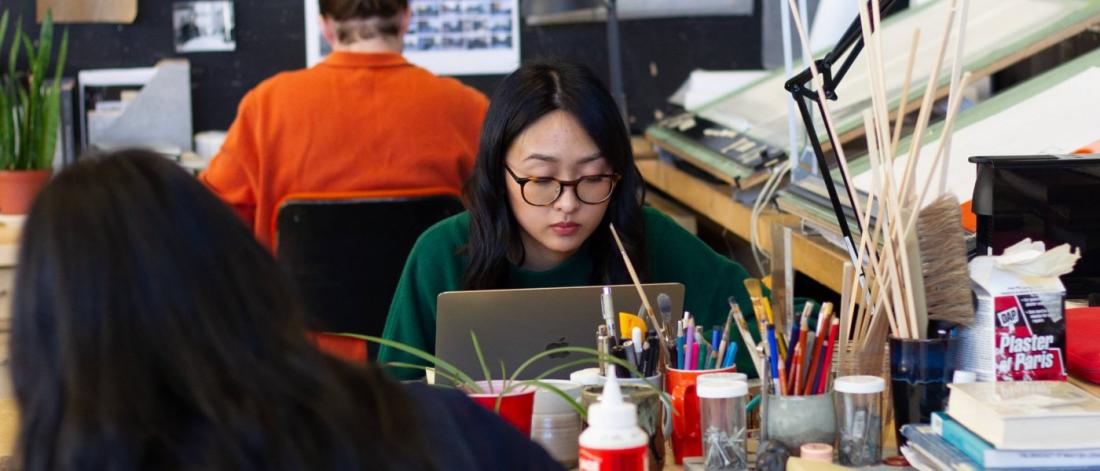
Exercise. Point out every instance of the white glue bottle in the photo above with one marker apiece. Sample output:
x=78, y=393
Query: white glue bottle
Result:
x=613, y=440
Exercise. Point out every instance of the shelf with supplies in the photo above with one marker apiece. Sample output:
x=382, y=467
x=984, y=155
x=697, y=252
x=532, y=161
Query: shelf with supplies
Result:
x=812, y=255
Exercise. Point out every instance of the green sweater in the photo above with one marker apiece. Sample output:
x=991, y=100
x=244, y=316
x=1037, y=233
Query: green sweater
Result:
x=675, y=255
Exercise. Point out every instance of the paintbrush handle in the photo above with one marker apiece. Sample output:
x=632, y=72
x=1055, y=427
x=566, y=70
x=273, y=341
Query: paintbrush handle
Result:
x=641, y=293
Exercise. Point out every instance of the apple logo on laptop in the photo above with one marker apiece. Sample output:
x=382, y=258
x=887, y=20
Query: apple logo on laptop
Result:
x=560, y=343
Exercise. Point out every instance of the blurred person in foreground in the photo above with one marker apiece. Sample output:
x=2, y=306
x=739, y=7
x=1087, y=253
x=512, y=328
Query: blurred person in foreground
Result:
x=151, y=331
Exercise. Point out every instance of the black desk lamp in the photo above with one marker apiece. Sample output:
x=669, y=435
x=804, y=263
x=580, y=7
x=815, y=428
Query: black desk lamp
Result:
x=845, y=53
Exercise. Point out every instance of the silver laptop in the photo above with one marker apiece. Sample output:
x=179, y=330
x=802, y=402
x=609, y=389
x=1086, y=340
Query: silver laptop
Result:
x=513, y=325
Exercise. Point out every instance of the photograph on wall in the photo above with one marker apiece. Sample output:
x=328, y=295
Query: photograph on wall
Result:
x=447, y=37
x=203, y=26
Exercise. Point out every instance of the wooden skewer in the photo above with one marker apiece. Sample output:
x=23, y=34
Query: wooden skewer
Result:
x=945, y=139
x=956, y=87
x=641, y=293
x=926, y=104
x=900, y=121
x=846, y=311
x=895, y=247
x=882, y=187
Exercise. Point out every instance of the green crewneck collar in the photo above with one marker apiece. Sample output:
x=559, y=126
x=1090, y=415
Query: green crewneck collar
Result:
x=574, y=271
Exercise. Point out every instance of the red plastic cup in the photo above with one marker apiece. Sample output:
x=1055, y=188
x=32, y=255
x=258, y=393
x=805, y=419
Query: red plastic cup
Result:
x=516, y=407
x=687, y=439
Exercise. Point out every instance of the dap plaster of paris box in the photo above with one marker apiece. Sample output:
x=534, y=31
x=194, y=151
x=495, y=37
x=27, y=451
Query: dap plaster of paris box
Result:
x=1019, y=330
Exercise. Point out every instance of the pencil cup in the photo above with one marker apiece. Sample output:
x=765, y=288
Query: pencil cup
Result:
x=919, y=373
x=516, y=406
x=649, y=407
x=555, y=424
x=687, y=438
x=797, y=420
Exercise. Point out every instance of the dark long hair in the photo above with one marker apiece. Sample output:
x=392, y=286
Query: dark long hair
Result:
x=151, y=331
x=522, y=98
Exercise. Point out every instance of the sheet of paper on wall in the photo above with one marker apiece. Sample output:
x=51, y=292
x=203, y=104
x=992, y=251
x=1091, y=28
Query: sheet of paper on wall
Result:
x=84, y=11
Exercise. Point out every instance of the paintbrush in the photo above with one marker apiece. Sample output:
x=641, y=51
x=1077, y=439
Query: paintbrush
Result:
x=763, y=310
x=641, y=294
x=746, y=336
x=725, y=339
x=943, y=258
x=664, y=304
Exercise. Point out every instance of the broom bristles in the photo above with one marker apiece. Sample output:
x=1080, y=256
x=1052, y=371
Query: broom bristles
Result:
x=944, y=263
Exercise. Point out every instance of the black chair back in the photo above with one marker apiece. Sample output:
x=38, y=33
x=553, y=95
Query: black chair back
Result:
x=346, y=255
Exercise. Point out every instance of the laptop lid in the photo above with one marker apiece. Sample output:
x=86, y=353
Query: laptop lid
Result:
x=513, y=325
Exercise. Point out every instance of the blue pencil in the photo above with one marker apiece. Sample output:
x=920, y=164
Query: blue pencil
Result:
x=731, y=353
x=773, y=347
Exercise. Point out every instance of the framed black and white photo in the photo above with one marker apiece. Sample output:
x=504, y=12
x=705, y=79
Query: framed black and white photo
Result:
x=447, y=37
x=203, y=26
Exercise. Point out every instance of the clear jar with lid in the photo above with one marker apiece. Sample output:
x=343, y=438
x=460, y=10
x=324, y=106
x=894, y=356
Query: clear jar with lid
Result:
x=859, y=419
x=722, y=421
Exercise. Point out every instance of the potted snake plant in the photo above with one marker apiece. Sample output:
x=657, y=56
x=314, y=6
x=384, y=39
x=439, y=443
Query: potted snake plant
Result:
x=30, y=112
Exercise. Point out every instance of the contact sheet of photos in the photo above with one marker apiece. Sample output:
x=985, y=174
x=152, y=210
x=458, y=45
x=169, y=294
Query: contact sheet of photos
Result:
x=444, y=25
x=450, y=37
x=459, y=37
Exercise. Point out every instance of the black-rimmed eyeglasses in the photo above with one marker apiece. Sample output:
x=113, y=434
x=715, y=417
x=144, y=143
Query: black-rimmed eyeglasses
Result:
x=544, y=191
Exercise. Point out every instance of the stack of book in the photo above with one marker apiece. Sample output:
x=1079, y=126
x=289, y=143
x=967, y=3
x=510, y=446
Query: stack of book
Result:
x=1010, y=425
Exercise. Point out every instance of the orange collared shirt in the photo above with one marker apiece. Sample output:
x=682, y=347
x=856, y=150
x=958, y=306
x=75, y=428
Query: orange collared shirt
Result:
x=355, y=122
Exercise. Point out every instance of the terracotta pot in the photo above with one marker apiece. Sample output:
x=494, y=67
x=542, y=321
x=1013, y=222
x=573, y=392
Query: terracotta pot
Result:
x=18, y=189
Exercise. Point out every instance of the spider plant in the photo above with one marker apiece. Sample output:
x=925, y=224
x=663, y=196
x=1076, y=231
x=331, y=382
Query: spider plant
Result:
x=510, y=383
x=30, y=108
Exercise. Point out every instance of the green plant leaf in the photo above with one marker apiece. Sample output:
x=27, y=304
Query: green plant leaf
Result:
x=464, y=379
x=589, y=351
x=13, y=54
x=481, y=359
x=562, y=394
x=413, y=366
x=503, y=387
x=3, y=28
x=62, y=57
x=565, y=366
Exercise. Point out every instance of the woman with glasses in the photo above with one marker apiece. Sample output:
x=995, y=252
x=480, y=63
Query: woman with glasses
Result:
x=554, y=168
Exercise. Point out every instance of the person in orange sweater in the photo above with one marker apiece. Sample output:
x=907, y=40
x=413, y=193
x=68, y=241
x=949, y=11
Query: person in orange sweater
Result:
x=364, y=119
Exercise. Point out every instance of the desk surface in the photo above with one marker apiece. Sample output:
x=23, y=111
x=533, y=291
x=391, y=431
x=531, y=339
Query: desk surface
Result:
x=813, y=256
x=9, y=418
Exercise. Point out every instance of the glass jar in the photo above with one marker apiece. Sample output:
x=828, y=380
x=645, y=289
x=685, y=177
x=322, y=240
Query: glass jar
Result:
x=859, y=419
x=722, y=421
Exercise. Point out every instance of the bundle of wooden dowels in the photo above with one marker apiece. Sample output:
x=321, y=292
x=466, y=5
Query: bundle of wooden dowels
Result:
x=910, y=262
